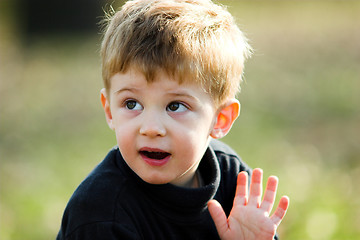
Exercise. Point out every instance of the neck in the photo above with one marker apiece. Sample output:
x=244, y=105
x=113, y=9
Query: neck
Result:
x=195, y=181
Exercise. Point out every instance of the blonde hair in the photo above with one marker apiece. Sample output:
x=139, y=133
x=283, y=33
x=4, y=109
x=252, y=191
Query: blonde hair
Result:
x=191, y=40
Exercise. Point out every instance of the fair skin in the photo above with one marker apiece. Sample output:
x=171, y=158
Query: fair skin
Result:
x=250, y=217
x=163, y=129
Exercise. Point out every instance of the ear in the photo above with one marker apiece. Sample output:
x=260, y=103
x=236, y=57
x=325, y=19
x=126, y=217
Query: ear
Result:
x=106, y=105
x=225, y=118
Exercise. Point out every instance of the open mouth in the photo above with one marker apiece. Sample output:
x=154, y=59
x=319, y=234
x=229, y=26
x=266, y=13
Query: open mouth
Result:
x=155, y=155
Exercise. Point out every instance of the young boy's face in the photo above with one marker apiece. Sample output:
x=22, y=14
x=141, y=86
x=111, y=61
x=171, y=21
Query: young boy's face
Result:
x=162, y=128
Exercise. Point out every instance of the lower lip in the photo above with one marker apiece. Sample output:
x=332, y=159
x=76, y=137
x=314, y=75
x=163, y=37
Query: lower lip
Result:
x=155, y=162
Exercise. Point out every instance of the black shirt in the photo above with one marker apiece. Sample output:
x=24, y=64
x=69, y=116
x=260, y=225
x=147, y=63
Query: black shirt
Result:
x=114, y=203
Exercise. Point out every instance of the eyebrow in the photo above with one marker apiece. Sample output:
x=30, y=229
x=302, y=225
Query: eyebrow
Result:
x=183, y=94
x=180, y=93
x=129, y=89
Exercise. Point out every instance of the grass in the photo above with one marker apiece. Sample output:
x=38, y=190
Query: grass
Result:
x=300, y=117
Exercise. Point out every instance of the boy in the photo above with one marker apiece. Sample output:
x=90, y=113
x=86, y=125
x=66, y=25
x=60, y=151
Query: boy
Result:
x=171, y=70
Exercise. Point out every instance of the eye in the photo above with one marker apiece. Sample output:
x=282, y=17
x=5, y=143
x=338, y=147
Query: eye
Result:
x=133, y=105
x=176, y=107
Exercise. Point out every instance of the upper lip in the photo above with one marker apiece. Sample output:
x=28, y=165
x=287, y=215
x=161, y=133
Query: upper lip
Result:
x=150, y=149
x=154, y=153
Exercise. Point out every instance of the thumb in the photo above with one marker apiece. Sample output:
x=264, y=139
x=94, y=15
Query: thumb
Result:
x=219, y=217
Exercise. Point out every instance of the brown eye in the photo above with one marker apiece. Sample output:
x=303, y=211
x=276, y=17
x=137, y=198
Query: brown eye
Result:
x=173, y=106
x=176, y=107
x=133, y=105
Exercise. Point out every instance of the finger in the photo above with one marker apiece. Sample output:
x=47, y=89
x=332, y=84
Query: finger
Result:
x=256, y=187
x=219, y=217
x=280, y=210
x=270, y=194
x=241, y=189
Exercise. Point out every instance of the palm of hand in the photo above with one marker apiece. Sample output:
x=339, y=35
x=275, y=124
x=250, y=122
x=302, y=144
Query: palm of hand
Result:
x=250, y=220
x=250, y=223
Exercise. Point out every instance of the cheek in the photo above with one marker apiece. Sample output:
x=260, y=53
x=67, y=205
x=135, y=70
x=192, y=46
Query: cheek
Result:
x=200, y=121
x=202, y=127
x=192, y=137
x=125, y=135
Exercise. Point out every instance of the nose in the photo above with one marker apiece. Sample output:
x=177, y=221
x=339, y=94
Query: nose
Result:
x=152, y=125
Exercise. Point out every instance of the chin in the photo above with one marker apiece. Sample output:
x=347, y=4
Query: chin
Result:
x=156, y=181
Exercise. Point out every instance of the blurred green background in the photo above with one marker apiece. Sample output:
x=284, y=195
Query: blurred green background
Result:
x=300, y=116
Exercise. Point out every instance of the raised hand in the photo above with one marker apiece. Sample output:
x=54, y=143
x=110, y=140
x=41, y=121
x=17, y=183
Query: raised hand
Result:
x=250, y=218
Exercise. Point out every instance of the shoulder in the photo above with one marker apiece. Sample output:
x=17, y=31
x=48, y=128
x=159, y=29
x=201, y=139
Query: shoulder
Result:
x=99, y=230
x=92, y=205
x=228, y=158
x=101, y=186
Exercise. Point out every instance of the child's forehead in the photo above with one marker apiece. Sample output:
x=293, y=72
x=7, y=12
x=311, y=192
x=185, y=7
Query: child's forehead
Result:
x=134, y=76
x=136, y=81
